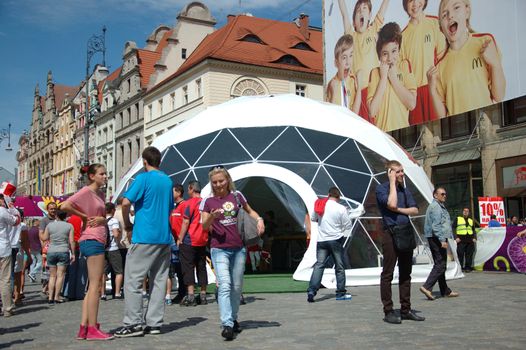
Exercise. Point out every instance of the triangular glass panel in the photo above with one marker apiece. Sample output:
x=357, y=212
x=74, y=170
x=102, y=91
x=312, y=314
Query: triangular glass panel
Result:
x=201, y=174
x=322, y=182
x=305, y=171
x=256, y=140
x=421, y=255
x=172, y=162
x=322, y=143
x=289, y=147
x=421, y=202
x=364, y=247
x=193, y=148
x=352, y=185
x=370, y=204
x=180, y=178
x=224, y=149
x=348, y=156
x=375, y=161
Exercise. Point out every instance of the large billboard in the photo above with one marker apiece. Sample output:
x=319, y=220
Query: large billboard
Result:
x=407, y=62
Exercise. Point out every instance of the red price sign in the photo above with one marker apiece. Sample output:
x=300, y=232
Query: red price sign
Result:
x=491, y=206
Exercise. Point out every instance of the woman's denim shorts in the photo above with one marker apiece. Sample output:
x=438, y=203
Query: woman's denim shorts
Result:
x=58, y=259
x=91, y=247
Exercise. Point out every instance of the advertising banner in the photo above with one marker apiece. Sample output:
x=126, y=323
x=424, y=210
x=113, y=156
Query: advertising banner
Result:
x=489, y=206
x=407, y=62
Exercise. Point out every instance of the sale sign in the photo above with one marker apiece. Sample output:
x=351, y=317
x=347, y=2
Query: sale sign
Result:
x=491, y=206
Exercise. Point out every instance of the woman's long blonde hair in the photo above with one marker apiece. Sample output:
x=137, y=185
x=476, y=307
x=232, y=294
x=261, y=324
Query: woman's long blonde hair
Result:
x=219, y=169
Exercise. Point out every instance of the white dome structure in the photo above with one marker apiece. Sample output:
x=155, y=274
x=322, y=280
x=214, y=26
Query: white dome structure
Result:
x=306, y=147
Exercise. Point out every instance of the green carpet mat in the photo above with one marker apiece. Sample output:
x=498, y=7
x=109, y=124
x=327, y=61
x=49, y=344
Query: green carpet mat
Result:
x=269, y=283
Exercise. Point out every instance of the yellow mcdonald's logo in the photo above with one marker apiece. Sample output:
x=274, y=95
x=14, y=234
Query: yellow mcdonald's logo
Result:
x=369, y=40
x=477, y=63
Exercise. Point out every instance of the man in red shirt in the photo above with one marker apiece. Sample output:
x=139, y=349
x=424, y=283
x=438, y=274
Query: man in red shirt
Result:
x=192, y=243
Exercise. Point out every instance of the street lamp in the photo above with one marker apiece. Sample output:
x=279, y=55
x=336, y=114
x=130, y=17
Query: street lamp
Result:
x=97, y=43
x=6, y=134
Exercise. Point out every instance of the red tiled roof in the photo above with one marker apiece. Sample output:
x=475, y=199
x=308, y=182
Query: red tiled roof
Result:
x=278, y=39
x=61, y=91
x=114, y=75
x=147, y=60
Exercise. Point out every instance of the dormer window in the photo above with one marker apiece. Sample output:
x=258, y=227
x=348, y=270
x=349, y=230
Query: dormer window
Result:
x=302, y=46
x=290, y=60
x=252, y=38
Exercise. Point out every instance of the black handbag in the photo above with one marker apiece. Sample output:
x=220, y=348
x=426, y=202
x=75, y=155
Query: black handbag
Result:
x=403, y=238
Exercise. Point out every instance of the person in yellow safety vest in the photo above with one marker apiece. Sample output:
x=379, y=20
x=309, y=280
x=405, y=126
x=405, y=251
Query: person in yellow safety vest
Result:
x=466, y=237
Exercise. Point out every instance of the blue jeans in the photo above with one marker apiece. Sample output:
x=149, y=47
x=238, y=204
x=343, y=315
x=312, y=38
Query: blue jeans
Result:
x=229, y=265
x=323, y=251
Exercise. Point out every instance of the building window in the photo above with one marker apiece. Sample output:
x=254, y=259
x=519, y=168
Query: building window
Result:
x=128, y=85
x=302, y=46
x=300, y=90
x=122, y=156
x=406, y=137
x=130, y=120
x=160, y=106
x=514, y=112
x=185, y=94
x=248, y=87
x=252, y=38
x=172, y=100
x=183, y=54
x=290, y=60
x=121, y=120
x=458, y=125
x=464, y=185
x=130, y=153
x=149, y=113
x=198, y=87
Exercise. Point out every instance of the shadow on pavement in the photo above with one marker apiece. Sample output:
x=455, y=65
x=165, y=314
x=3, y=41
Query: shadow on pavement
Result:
x=190, y=322
x=26, y=310
x=14, y=342
x=252, y=324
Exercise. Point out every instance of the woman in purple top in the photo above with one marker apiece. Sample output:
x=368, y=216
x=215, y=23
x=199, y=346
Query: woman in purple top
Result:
x=219, y=212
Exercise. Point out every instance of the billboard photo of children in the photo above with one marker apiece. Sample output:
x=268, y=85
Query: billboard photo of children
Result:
x=344, y=87
x=364, y=33
x=470, y=73
x=392, y=87
x=422, y=45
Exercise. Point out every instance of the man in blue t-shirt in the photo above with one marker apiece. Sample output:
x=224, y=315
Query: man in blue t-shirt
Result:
x=149, y=253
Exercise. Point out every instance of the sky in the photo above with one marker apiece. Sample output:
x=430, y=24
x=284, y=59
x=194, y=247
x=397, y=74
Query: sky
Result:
x=37, y=36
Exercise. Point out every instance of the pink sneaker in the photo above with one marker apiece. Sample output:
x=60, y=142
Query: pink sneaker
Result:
x=96, y=334
x=81, y=335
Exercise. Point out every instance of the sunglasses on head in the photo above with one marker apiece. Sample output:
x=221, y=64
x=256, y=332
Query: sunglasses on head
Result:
x=216, y=167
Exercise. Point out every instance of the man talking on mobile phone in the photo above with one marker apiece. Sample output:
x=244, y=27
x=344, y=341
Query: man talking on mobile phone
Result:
x=396, y=204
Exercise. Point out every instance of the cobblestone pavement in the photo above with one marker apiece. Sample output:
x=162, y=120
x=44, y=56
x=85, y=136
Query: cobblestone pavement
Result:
x=489, y=314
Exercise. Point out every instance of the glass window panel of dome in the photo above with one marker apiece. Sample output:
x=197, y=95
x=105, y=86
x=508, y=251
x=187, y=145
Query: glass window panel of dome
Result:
x=375, y=161
x=374, y=228
x=322, y=183
x=322, y=143
x=256, y=140
x=289, y=147
x=348, y=156
x=172, y=162
x=201, y=174
x=305, y=171
x=361, y=251
x=192, y=149
x=352, y=185
x=181, y=178
x=224, y=149
x=370, y=205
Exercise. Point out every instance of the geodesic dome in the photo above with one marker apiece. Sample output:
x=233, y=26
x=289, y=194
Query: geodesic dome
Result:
x=309, y=146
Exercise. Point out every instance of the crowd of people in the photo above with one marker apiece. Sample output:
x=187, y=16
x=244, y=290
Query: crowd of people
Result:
x=168, y=239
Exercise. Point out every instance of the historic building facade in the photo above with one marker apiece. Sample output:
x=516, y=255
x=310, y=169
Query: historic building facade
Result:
x=38, y=179
x=248, y=56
